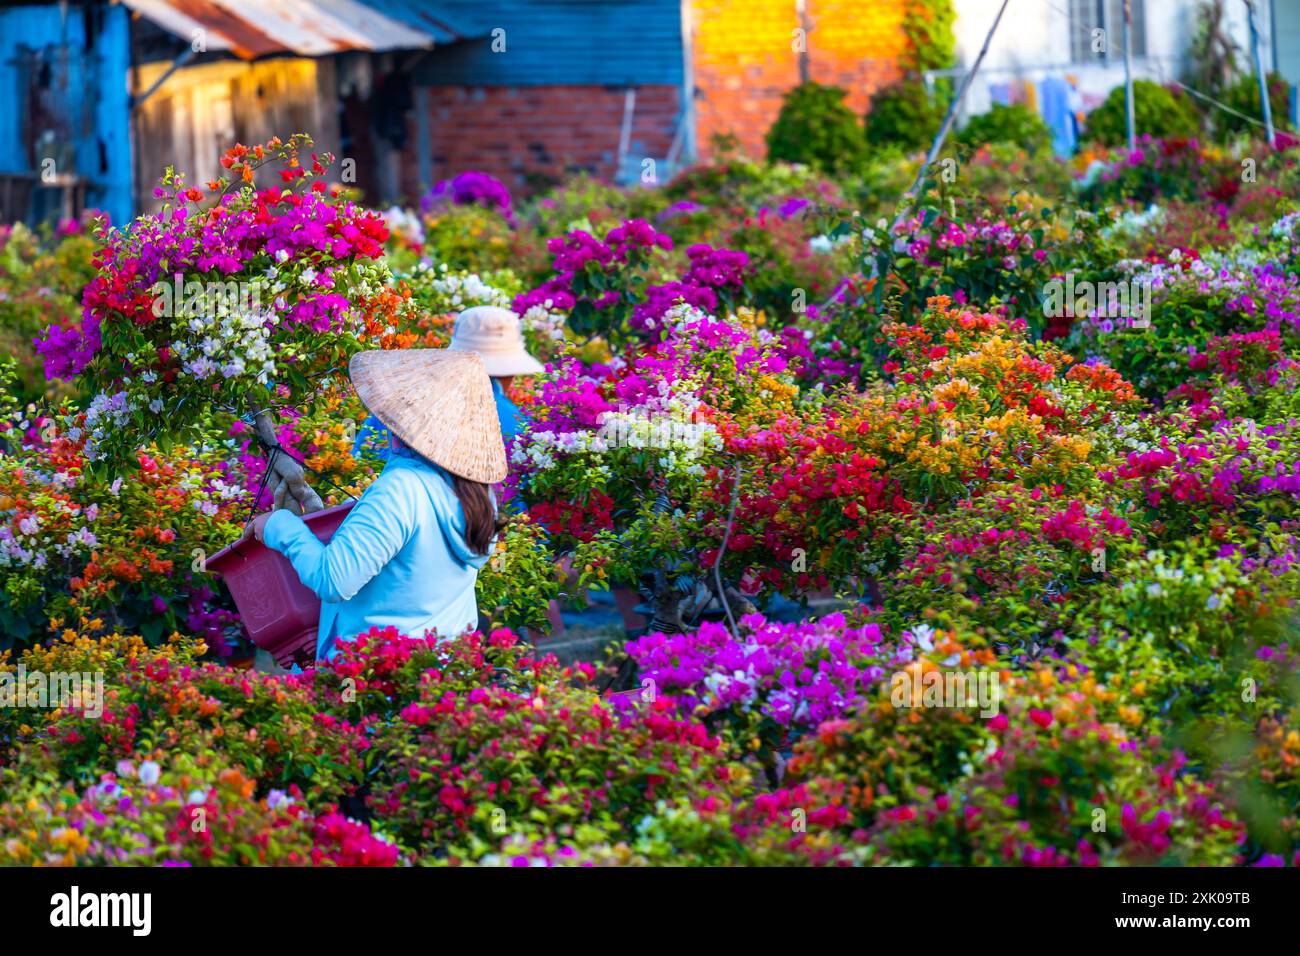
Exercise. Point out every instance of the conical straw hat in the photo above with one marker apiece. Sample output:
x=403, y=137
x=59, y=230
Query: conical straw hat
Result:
x=438, y=402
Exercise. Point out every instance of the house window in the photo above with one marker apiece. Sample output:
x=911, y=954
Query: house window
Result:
x=1089, y=16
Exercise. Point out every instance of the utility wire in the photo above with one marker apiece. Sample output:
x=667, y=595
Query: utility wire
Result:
x=1223, y=106
x=909, y=197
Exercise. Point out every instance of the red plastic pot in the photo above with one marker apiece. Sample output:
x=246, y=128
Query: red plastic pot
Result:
x=626, y=600
x=279, y=612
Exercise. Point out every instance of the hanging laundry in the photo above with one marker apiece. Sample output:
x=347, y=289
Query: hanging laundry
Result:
x=1058, y=113
x=1028, y=94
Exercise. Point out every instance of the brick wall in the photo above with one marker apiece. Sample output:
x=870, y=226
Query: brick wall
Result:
x=525, y=134
x=743, y=63
x=744, y=59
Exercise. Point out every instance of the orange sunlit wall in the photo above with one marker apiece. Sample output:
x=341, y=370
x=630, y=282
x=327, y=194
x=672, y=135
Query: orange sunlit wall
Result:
x=744, y=59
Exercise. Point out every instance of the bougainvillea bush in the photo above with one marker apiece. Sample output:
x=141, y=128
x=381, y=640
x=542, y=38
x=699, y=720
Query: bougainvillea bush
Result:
x=41, y=278
x=208, y=305
x=403, y=751
x=76, y=543
x=938, y=573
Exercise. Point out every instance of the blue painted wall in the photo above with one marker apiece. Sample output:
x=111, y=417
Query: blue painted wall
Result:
x=103, y=154
x=596, y=42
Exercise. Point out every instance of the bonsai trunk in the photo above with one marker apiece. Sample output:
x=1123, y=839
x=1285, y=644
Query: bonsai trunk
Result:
x=668, y=607
x=288, y=478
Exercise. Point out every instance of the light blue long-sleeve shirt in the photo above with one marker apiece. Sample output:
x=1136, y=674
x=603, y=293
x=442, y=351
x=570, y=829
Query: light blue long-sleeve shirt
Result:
x=375, y=433
x=400, y=558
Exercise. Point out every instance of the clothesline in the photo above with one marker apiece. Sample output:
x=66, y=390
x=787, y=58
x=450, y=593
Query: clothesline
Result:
x=1160, y=64
x=1065, y=67
x=930, y=75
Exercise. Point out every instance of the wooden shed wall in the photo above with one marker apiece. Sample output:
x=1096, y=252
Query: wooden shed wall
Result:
x=201, y=111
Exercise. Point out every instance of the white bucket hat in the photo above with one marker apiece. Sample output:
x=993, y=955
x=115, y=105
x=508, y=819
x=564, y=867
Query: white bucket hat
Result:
x=497, y=336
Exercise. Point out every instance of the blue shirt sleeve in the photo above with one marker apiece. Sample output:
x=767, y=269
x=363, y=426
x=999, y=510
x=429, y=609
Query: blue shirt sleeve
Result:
x=374, y=434
x=376, y=529
x=507, y=412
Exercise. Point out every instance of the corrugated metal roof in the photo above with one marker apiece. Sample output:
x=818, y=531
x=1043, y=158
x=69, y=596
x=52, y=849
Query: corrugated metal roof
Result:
x=255, y=28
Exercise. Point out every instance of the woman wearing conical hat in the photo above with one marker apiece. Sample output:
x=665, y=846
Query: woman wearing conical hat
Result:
x=409, y=551
x=496, y=335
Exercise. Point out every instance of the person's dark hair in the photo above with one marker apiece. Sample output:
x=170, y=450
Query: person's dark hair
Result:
x=481, y=522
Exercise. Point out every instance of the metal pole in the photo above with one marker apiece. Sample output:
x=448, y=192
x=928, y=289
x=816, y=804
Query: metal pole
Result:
x=947, y=121
x=801, y=11
x=689, y=141
x=1128, y=74
x=1259, y=72
x=625, y=131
